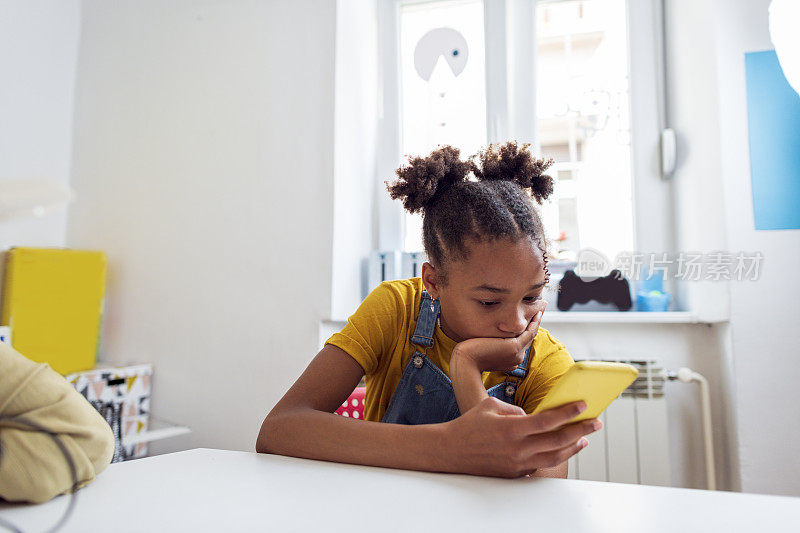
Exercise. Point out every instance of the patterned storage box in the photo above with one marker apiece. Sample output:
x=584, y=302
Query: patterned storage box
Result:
x=122, y=395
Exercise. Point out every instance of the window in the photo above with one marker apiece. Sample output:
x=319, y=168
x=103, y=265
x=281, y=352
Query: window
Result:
x=583, y=124
x=462, y=82
x=443, y=84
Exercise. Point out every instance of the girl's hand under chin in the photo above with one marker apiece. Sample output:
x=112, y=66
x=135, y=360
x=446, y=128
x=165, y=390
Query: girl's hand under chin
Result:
x=491, y=353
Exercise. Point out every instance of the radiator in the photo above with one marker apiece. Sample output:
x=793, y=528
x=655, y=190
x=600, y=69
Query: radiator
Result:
x=632, y=447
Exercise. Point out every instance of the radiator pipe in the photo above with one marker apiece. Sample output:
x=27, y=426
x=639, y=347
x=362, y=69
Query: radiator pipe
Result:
x=687, y=375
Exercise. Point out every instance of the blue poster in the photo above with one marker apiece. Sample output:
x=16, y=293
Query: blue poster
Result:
x=773, y=115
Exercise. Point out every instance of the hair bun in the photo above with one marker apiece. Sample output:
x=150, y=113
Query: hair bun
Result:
x=512, y=163
x=424, y=179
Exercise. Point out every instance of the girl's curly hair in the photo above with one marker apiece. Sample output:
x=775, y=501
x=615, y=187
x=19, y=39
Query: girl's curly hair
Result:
x=456, y=209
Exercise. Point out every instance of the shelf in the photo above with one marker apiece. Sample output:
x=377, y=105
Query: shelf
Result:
x=158, y=430
x=619, y=317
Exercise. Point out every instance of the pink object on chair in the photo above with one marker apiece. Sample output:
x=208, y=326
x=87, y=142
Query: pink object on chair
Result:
x=354, y=406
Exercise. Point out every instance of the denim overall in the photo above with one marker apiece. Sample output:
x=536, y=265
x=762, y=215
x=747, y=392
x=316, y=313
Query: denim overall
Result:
x=425, y=393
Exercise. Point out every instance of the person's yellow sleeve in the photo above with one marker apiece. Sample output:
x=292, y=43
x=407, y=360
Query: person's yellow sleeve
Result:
x=551, y=361
x=32, y=466
x=373, y=329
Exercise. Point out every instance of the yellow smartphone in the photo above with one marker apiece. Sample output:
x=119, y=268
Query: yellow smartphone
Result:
x=598, y=383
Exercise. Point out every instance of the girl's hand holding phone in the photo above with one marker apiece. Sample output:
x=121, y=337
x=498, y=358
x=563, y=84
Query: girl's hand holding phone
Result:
x=498, y=439
x=497, y=353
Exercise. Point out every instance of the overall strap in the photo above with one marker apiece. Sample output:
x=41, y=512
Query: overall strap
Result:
x=426, y=321
x=519, y=373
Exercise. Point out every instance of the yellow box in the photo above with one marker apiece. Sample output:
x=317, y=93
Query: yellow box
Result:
x=53, y=303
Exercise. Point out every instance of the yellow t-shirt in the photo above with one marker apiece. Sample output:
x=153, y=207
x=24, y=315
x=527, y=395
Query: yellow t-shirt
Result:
x=378, y=337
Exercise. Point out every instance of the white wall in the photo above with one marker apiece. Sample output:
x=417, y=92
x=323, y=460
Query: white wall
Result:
x=692, y=112
x=698, y=206
x=355, y=145
x=38, y=55
x=707, y=41
x=764, y=314
x=203, y=164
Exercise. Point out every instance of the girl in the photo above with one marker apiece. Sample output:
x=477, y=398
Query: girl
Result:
x=455, y=359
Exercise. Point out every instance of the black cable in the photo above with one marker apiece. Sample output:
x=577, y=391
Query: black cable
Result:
x=72, y=469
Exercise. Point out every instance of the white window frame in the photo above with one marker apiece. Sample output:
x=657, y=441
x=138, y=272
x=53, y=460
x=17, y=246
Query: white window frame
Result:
x=511, y=112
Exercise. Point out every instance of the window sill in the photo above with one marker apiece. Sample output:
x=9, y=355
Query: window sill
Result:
x=600, y=317
x=621, y=317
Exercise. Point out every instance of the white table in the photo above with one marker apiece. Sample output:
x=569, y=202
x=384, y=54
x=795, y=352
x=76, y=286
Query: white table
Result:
x=217, y=490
